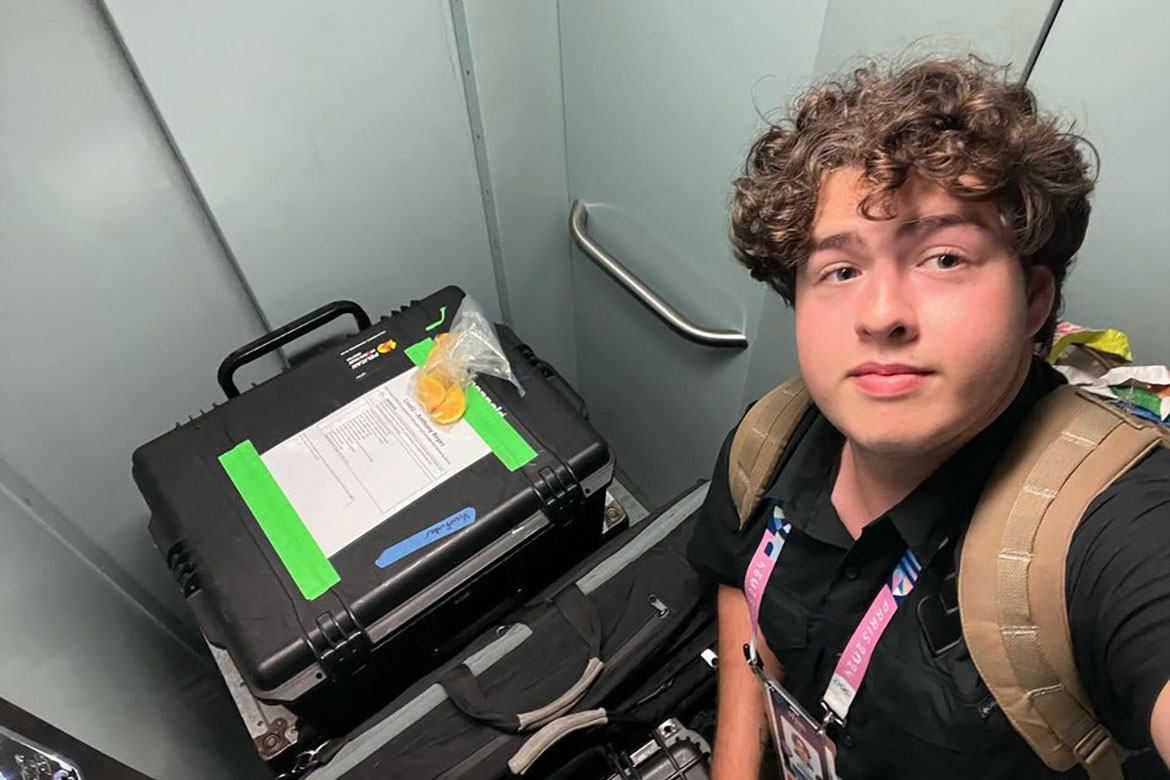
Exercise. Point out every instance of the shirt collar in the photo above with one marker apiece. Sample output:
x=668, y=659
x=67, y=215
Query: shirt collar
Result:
x=928, y=517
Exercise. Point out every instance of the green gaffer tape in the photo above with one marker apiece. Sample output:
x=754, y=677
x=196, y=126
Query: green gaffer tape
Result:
x=496, y=432
x=298, y=550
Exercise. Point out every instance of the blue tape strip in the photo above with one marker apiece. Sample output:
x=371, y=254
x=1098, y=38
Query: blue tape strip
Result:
x=455, y=522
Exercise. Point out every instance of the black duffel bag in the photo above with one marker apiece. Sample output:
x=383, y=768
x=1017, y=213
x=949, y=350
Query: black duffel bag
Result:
x=616, y=639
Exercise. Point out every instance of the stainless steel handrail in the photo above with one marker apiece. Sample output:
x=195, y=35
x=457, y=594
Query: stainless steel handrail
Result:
x=578, y=219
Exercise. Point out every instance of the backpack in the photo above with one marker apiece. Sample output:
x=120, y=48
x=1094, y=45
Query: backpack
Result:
x=1012, y=565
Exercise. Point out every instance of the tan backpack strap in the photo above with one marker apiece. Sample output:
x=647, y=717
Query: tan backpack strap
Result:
x=759, y=442
x=1012, y=573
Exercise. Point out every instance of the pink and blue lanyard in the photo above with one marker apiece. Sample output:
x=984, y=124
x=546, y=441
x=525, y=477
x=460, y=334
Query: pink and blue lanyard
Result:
x=854, y=661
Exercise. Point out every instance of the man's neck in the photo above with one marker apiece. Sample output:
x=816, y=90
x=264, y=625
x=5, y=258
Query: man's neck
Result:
x=869, y=485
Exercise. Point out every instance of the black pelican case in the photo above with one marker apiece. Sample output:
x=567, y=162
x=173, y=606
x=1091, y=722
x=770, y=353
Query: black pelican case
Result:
x=334, y=636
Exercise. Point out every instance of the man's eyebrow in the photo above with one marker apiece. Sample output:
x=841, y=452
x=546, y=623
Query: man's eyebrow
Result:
x=921, y=226
x=836, y=241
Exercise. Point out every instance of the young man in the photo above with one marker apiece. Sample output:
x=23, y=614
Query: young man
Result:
x=921, y=222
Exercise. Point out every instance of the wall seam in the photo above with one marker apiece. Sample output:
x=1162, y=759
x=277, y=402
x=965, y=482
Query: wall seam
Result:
x=570, y=255
x=1041, y=39
x=185, y=169
x=479, y=146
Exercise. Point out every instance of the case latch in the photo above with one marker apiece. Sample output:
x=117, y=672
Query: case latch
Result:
x=183, y=568
x=558, y=490
x=341, y=645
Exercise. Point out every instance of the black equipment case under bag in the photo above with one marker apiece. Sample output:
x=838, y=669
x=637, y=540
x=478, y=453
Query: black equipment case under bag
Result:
x=672, y=752
x=332, y=633
x=619, y=640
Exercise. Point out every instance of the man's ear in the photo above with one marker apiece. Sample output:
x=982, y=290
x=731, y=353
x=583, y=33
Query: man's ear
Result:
x=1041, y=294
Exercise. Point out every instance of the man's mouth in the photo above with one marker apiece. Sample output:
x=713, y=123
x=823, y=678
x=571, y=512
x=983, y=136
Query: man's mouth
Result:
x=888, y=379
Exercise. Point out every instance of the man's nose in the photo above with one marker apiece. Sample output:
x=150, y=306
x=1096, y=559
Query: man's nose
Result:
x=887, y=311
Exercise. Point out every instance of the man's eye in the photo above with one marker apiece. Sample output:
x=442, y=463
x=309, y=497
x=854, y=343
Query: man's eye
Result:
x=840, y=274
x=946, y=260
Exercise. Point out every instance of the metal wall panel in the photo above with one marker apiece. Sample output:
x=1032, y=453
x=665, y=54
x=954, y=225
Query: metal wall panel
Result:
x=1105, y=65
x=330, y=140
x=661, y=102
x=515, y=69
x=116, y=301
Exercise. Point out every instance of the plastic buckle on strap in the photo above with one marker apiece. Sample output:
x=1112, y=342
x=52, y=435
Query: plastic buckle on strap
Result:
x=1094, y=746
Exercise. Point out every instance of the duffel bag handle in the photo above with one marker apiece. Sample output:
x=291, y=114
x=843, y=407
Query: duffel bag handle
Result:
x=467, y=695
x=551, y=734
x=270, y=342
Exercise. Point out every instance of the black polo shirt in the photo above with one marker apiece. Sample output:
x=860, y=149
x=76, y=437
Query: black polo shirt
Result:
x=922, y=710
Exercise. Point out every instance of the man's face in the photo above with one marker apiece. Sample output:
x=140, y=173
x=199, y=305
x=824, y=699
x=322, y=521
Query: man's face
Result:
x=914, y=332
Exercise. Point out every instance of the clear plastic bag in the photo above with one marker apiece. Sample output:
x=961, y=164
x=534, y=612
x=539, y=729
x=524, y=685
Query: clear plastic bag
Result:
x=469, y=349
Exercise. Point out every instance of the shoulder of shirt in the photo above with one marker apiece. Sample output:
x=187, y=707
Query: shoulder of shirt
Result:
x=1115, y=514
x=1144, y=485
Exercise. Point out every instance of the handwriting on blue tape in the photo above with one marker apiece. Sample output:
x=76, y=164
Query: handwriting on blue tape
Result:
x=455, y=522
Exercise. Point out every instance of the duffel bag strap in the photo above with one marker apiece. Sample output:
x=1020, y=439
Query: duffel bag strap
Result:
x=467, y=695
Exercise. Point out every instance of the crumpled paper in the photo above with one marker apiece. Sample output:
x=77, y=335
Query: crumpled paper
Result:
x=1097, y=360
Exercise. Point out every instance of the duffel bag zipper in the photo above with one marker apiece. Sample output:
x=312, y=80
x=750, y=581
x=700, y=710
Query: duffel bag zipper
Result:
x=638, y=638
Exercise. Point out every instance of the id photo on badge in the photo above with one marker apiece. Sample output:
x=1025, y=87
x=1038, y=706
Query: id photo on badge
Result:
x=800, y=757
x=804, y=751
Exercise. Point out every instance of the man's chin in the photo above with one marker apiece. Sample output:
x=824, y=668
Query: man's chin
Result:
x=896, y=444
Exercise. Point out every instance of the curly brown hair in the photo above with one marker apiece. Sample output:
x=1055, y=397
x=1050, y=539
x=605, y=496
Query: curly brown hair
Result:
x=960, y=123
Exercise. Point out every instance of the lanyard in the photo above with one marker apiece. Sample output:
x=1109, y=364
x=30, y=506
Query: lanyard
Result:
x=854, y=661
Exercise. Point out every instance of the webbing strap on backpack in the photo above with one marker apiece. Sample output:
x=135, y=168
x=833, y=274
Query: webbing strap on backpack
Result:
x=1012, y=572
x=759, y=442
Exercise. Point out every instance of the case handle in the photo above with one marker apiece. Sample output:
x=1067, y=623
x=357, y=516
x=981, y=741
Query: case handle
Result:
x=270, y=342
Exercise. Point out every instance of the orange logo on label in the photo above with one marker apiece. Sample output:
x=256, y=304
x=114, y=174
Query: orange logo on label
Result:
x=386, y=346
